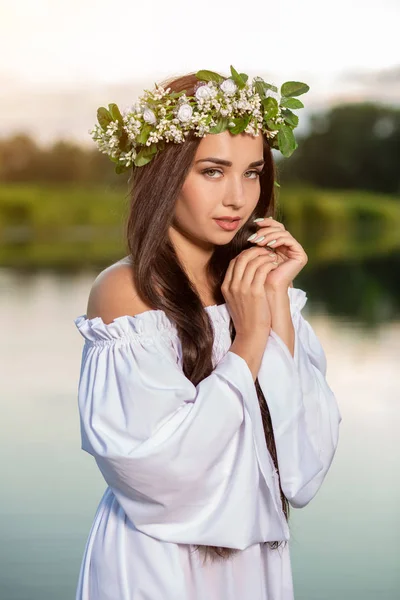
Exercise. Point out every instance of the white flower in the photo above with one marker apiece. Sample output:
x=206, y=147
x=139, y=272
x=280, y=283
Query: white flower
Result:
x=149, y=116
x=203, y=93
x=229, y=87
x=112, y=127
x=184, y=113
x=137, y=108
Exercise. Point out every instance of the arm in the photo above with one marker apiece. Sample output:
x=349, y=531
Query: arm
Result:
x=281, y=320
x=303, y=408
x=179, y=458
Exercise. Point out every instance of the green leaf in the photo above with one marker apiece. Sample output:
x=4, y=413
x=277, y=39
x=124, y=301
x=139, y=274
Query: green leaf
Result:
x=244, y=77
x=290, y=118
x=240, y=124
x=261, y=86
x=176, y=94
x=237, y=78
x=273, y=142
x=294, y=88
x=145, y=155
x=205, y=75
x=277, y=184
x=272, y=125
x=144, y=133
x=271, y=87
x=124, y=141
x=104, y=117
x=271, y=108
x=222, y=125
x=120, y=168
x=291, y=103
x=286, y=140
x=115, y=113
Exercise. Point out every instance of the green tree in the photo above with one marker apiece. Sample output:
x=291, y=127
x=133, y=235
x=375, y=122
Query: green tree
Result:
x=353, y=146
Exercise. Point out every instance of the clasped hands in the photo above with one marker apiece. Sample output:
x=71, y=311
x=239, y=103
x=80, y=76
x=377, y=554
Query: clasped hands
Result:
x=290, y=254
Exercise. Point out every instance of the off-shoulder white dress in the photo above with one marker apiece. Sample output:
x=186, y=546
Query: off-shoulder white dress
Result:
x=189, y=465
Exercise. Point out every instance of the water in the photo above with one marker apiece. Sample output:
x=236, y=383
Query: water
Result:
x=344, y=543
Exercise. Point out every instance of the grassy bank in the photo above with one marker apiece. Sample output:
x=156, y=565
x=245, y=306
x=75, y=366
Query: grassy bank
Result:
x=70, y=226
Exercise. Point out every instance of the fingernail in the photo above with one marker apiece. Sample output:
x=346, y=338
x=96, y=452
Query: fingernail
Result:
x=260, y=239
x=270, y=217
x=259, y=219
x=252, y=237
x=271, y=242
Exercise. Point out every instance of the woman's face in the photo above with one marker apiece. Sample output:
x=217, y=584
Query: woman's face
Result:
x=213, y=190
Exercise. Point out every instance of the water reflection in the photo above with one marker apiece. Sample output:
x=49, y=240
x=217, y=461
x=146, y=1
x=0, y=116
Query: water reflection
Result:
x=353, y=271
x=344, y=543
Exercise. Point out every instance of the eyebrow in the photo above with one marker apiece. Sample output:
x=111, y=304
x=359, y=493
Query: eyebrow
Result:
x=227, y=163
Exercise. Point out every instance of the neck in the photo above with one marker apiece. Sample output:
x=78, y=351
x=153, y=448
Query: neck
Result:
x=193, y=256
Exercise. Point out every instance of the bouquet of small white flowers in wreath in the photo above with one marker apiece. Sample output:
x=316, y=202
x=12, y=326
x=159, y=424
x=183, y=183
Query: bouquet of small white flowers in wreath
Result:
x=134, y=136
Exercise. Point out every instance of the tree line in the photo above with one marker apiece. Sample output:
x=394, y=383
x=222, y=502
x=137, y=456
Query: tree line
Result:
x=350, y=146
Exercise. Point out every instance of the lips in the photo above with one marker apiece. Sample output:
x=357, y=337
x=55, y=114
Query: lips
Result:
x=230, y=219
x=228, y=224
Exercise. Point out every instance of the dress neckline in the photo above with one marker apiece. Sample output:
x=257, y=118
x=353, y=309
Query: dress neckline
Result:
x=156, y=310
x=147, y=321
x=220, y=309
x=152, y=320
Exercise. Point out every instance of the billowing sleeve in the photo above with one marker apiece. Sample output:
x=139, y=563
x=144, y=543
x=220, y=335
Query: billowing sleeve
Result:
x=304, y=412
x=180, y=458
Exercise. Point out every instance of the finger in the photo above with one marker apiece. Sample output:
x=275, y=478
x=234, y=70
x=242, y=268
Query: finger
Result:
x=269, y=222
x=271, y=237
x=265, y=230
x=240, y=262
x=229, y=272
x=280, y=240
x=261, y=235
x=278, y=257
x=261, y=274
x=281, y=260
x=253, y=265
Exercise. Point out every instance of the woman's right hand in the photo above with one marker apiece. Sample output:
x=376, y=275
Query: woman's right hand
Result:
x=244, y=292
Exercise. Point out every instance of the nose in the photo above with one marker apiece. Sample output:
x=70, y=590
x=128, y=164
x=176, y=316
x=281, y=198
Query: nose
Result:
x=235, y=192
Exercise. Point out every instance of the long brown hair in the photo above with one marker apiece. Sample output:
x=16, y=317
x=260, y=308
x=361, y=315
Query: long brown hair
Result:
x=160, y=278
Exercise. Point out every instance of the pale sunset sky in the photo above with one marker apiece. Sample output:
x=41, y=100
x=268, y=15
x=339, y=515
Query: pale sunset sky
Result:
x=61, y=60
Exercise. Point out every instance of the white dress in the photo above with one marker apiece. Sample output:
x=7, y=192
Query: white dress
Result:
x=189, y=465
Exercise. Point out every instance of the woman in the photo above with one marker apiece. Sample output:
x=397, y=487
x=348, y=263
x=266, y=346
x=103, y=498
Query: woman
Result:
x=202, y=391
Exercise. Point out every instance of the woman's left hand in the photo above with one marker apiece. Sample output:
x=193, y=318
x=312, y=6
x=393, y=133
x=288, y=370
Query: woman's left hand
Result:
x=291, y=256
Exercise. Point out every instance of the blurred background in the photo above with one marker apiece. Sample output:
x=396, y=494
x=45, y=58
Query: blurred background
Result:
x=62, y=211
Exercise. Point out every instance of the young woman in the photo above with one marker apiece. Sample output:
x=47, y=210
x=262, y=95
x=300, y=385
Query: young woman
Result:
x=202, y=391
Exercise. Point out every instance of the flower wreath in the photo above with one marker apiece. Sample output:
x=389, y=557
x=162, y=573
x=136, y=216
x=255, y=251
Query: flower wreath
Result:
x=135, y=136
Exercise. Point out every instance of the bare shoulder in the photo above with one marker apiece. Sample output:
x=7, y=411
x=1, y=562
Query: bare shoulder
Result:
x=113, y=294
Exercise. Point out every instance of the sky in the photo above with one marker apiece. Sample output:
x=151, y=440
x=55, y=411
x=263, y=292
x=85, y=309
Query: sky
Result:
x=61, y=60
